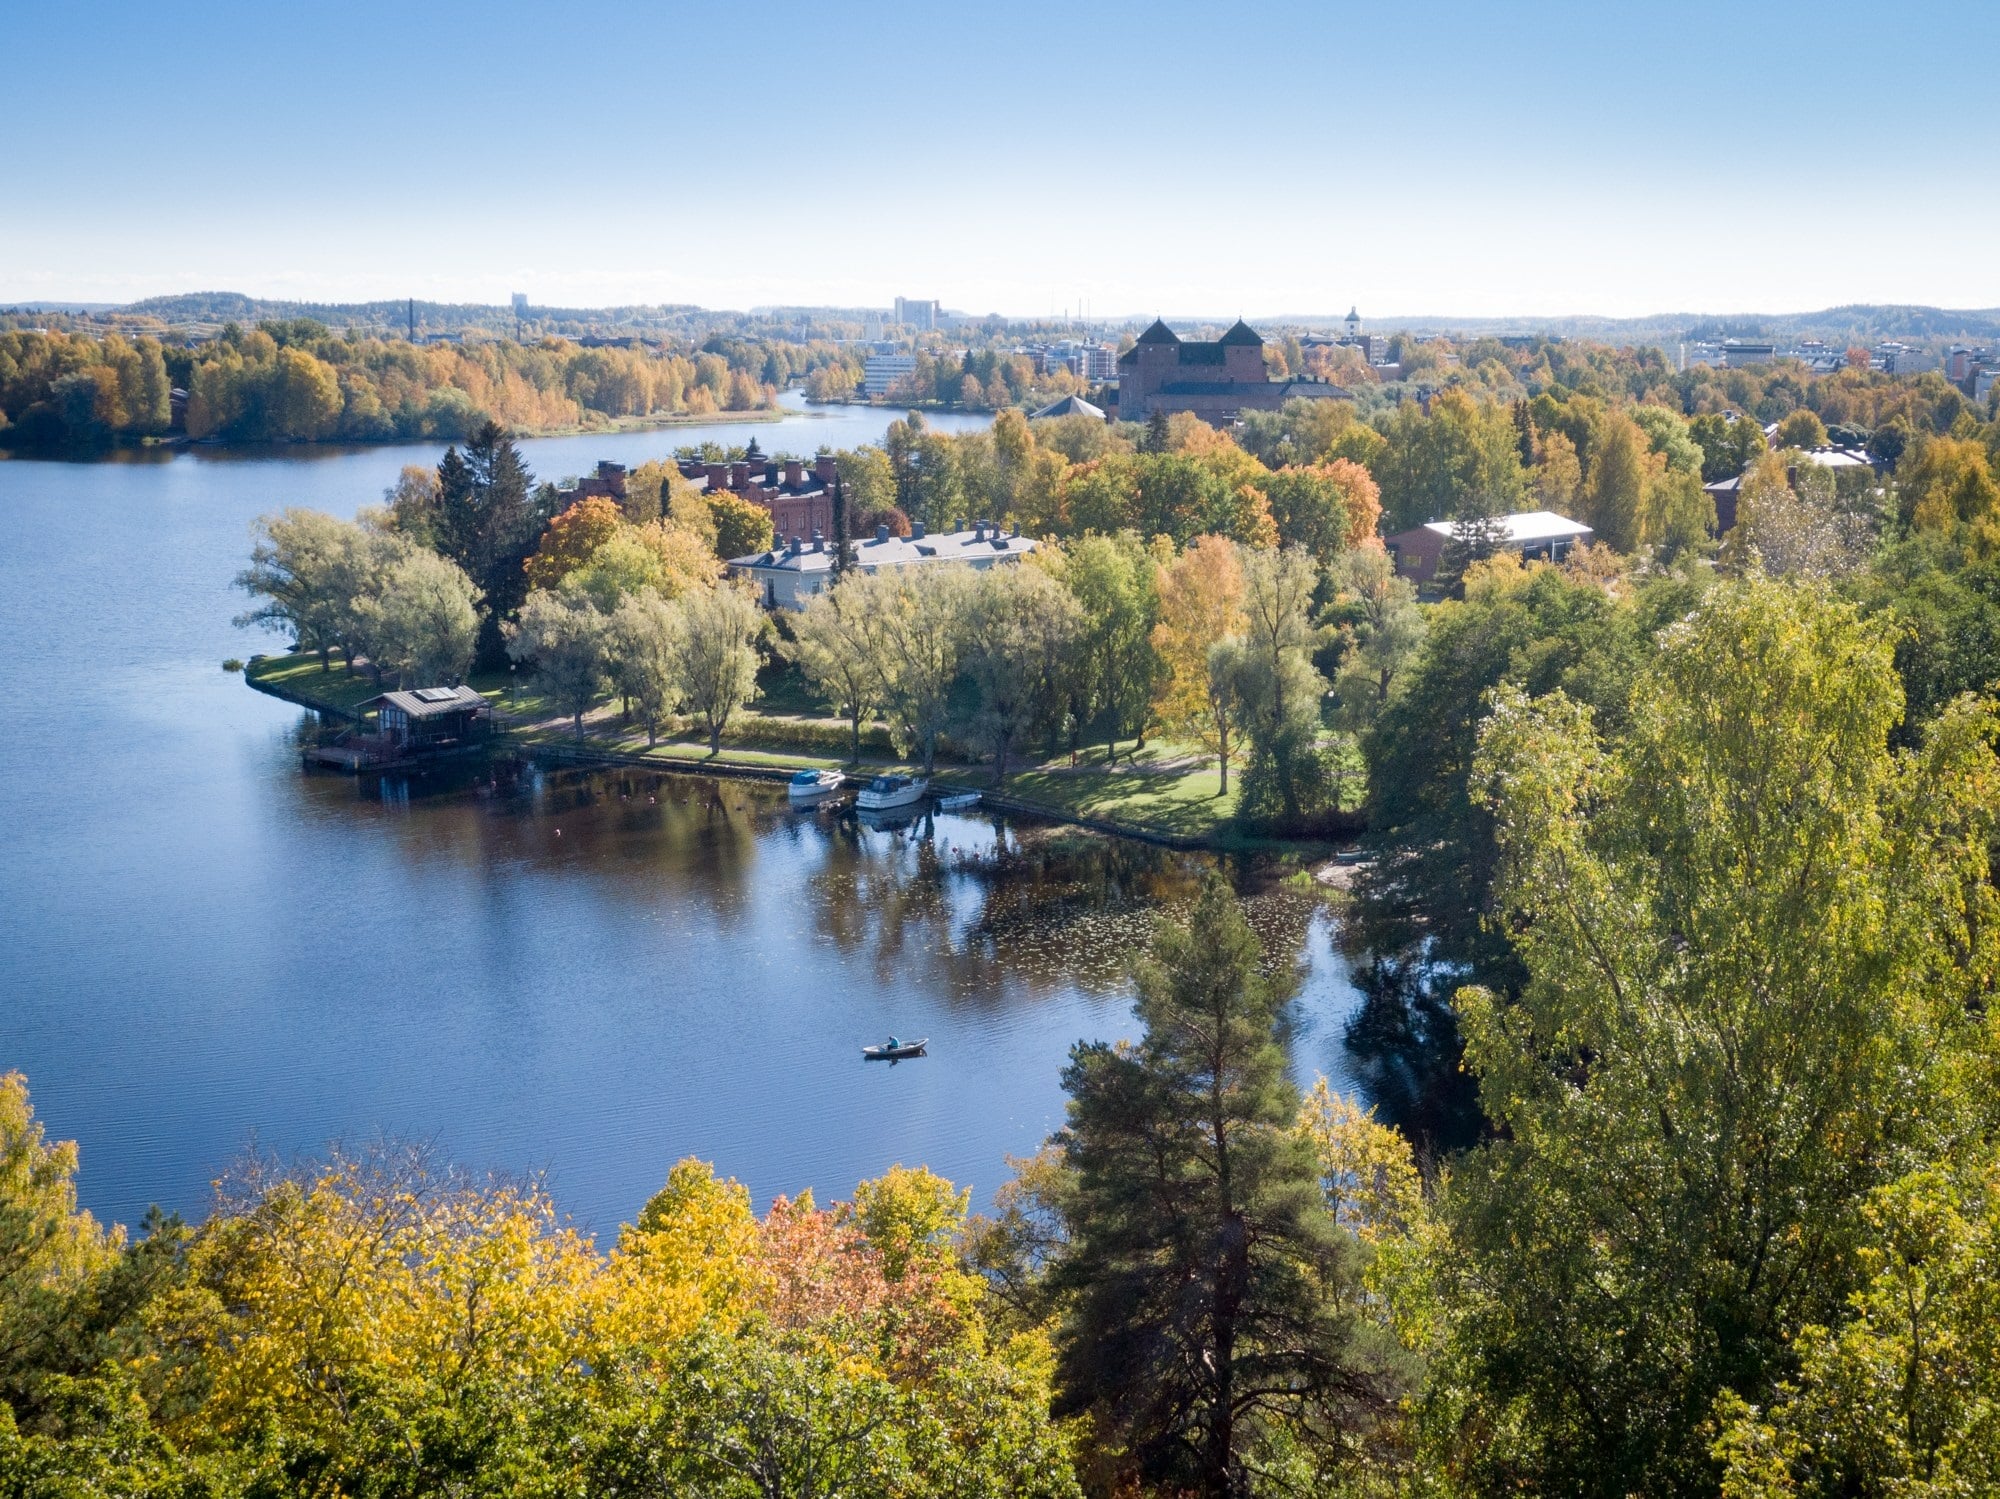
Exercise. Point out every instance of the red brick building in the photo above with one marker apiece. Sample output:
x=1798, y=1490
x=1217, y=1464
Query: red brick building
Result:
x=1215, y=381
x=798, y=495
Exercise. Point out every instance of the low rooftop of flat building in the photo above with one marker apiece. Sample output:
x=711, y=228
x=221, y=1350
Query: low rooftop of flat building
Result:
x=982, y=541
x=1522, y=528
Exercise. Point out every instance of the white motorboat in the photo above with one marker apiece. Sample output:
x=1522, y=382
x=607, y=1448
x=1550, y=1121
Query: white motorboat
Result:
x=958, y=801
x=885, y=792
x=810, y=786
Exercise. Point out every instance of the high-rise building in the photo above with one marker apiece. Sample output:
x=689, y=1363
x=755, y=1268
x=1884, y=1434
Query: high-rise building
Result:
x=916, y=314
x=520, y=304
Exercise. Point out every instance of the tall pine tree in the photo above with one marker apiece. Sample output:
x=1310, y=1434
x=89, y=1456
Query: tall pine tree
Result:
x=490, y=516
x=1209, y=1327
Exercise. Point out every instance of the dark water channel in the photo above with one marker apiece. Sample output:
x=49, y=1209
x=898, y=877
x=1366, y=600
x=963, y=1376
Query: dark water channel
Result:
x=591, y=973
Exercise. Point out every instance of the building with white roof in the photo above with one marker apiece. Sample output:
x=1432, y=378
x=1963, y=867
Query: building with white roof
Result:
x=1535, y=534
x=788, y=575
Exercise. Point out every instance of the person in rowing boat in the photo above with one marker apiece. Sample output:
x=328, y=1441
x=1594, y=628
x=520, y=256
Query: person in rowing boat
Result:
x=894, y=1043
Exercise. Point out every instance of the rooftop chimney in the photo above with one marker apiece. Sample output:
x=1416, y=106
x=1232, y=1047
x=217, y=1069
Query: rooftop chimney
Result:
x=882, y=531
x=794, y=547
x=823, y=468
x=916, y=530
x=794, y=473
x=819, y=541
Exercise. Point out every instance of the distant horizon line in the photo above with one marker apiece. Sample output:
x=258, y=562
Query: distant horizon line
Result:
x=83, y=306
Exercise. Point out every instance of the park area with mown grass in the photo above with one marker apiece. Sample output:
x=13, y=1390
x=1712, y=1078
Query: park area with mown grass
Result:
x=1161, y=789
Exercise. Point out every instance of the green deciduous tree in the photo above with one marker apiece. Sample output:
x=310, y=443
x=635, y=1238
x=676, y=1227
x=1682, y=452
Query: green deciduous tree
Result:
x=831, y=639
x=1903, y=1397
x=419, y=618
x=1279, y=686
x=1324, y=509
x=1017, y=619
x=1385, y=632
x=719, y=627
x=1113, y=579
x=567, y=640
x=1615, y=489
x=49, y=1249
x=1752, y=934
x=1727, y=446
x=303, y=567
x=645, y=655
x=1800, y=429
x=1431, y=461
x=917, y=630
x=741, y=527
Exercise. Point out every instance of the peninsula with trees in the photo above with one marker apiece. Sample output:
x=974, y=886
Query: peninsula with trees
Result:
x=1675, y=942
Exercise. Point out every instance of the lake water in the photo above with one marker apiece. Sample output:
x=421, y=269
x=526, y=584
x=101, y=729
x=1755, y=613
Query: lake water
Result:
x=592, y=974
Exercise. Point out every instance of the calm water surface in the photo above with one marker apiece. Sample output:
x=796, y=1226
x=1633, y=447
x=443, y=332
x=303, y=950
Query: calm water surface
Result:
x=592, y=974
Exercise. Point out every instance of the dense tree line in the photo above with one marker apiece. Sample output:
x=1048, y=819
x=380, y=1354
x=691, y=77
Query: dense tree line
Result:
x=297, y=382
x=470, y=563
x=377, y=1324
x=1677, y=947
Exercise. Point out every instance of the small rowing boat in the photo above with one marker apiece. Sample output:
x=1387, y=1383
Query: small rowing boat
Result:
x=958, y=801
x=895, y=1050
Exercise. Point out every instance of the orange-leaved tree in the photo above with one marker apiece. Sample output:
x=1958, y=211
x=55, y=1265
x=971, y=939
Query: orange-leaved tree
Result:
x=572, y=539
x=1201, y=610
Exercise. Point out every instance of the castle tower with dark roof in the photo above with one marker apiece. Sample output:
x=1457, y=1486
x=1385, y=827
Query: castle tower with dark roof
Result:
x=1216, y=381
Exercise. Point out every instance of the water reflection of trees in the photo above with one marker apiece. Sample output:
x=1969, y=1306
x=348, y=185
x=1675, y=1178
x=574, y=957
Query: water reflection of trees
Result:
x=974, y=911
x=1049, y=908
x=645, y=836
x=1404, y=1040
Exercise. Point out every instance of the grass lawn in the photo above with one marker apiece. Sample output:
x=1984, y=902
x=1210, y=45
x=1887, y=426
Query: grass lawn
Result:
x=299, y=676
x=1165, y=788
x=1162, y=787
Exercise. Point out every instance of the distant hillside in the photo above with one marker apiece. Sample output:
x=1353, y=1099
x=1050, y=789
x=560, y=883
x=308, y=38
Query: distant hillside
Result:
x=202, y=313
x=1859, y=322
x=436, y=317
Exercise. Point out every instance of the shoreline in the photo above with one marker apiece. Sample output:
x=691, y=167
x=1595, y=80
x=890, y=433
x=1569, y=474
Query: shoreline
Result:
x=182, y=444
x=779, y=764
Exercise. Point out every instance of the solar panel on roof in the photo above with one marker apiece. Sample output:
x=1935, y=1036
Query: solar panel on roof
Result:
x=436, y=694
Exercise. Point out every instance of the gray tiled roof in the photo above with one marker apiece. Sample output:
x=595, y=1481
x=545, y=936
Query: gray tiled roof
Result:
x=896, y=551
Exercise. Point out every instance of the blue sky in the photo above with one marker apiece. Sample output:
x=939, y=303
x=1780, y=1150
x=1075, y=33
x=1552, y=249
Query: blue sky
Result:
x=1433, y=158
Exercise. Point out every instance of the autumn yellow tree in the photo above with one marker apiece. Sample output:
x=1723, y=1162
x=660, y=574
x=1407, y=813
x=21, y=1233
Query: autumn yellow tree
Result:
x=1201, y=608
x=368, y=1319
x=49, y=1249
x=1947, y=483
x=572, y=539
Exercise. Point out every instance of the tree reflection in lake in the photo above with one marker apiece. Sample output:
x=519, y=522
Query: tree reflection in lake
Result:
x=623, y=966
